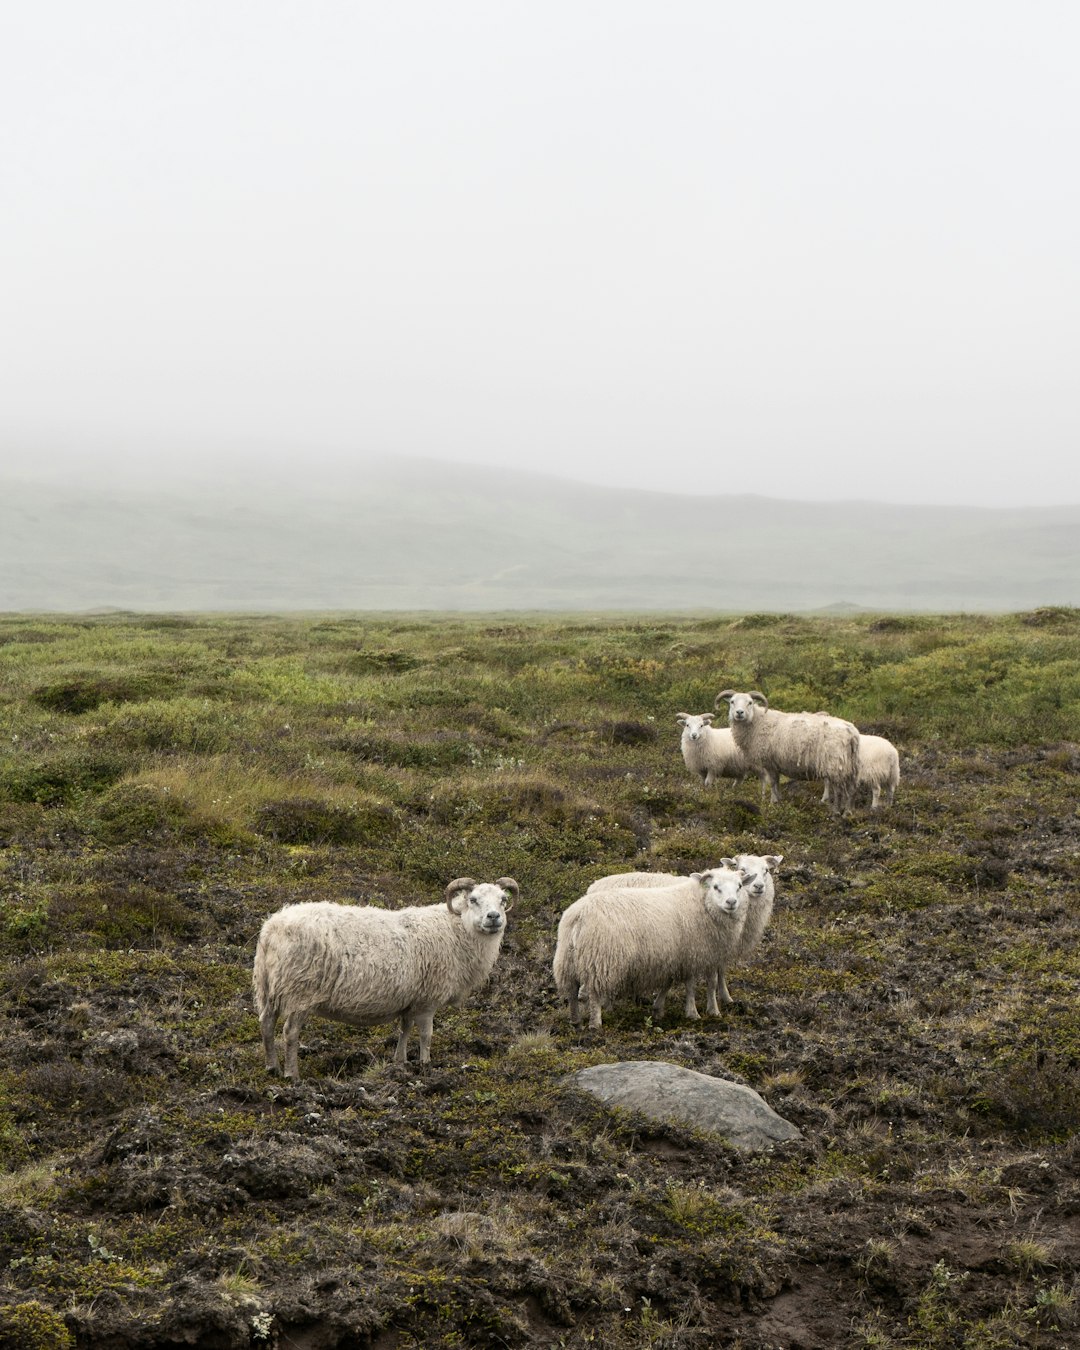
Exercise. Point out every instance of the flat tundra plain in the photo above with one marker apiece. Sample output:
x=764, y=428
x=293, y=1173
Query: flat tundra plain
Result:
x=168, y=781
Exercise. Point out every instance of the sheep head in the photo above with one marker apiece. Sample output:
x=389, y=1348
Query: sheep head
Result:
x=482, y=905
x=754, y=869
x=722, y=890
x=693, y=723
x=741, y=707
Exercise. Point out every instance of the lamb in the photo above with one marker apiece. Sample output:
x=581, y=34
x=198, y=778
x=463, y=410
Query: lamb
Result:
x=364, y=965
x=710, y=752
x=879, y=770
x=801, y=745
x=625, y=939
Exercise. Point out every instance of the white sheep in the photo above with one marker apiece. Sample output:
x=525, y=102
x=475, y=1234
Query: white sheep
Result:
x=756, y=870
x=879, y=770
x=708, y=751
x=800, y=745
x=364, y=965
x=628, y=940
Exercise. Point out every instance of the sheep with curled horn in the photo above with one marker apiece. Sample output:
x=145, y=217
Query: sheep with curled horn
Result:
x=800, y=745
x=364, y=965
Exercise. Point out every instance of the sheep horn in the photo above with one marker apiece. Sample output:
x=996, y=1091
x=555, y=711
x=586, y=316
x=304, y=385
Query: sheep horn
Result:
x=725, y=697
x=509, y=884
x=759, y=697
x=461, y=884
x=682, y=718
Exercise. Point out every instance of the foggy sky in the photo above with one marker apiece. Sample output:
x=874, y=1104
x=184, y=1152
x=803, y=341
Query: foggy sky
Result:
x=808, y=250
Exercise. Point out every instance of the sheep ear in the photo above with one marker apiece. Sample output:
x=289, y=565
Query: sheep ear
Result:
x=725, y=697
x=707, y=717
x=509, y=884
x=759, y=697
x=454, y=890
x=733, y=863
x=773, y=860
x=682, y=718
x=700, y=877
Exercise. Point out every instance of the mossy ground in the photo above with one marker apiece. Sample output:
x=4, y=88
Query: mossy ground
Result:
x=166, y=782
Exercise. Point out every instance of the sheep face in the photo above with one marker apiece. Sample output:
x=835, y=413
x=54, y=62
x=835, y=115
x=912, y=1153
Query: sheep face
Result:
x=754, y=870
x=723, y=890
x=483, y=906
x=741, y=707
x=694, y=725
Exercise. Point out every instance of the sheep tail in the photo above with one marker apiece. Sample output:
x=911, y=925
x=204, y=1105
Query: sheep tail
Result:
x=564, y=967
x=260, y=981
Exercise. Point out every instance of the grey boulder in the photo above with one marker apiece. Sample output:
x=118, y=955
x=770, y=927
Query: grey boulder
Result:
x=667, y=1092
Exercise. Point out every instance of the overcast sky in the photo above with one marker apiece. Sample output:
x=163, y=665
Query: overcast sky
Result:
x=812, y=250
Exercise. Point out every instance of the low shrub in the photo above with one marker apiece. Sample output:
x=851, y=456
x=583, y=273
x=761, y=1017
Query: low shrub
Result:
x=83, y=693
x=31, y=1326
x=309, y=820
x=133, y=812
x=58, y=779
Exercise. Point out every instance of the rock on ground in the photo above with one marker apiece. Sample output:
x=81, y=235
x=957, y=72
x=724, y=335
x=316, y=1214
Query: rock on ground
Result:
x=665, y=1091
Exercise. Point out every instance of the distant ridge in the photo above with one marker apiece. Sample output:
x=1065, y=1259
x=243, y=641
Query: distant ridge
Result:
x=415, y=534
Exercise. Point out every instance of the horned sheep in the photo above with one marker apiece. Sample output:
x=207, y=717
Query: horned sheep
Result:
x=364, y=965
x=800, y=745
x=624, y=939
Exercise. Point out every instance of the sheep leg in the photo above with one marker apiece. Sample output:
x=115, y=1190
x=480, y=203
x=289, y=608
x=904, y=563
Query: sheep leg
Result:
x=712, y=982
x=294, y=1024
x=875, y=797
x=596, y=1011
x=660, y=1002
x=721, y=981
x=267, y=1020
x=839, y=801
x=575, y=1004
x=772, y=779
x=690, y=1005
x=425, y=1021
x=401, y=1052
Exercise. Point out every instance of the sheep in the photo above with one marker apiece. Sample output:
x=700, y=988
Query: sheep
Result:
x=625, y=939
x=879, y=770
x=364, y=965
x=710, y=752
x=756, y=871
x=801, y=745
